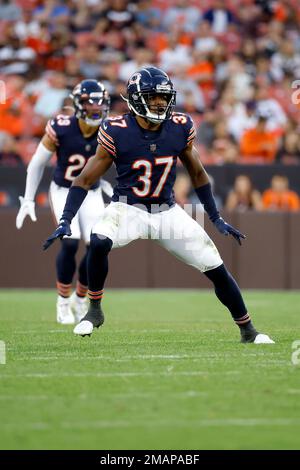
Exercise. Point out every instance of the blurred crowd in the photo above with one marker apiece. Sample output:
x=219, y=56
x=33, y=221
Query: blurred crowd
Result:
x=234, y=64
x=243, y=196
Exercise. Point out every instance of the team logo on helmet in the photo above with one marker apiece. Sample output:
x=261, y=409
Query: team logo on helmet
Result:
x=136, y=77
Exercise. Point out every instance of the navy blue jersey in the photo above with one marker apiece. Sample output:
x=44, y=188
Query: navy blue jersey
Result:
x=72, y=149
x=145, y=160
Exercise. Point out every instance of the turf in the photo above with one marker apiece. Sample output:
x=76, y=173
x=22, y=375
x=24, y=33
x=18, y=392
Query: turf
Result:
x=166, y=371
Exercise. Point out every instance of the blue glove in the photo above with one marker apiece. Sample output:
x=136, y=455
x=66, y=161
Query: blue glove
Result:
x=227, y=229
x=62, y=230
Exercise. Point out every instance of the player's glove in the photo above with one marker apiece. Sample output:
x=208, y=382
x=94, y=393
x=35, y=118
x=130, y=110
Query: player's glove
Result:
x=62, y=230
x=27, y=208
x=227, y=229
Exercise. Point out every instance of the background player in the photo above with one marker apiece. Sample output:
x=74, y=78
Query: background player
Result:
x=74, y=139
x=144, y=145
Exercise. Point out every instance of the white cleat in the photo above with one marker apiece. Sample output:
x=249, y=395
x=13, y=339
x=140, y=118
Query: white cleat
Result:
x=78, y=306
x=263, y=339
x=63, y=312
x=84, y=328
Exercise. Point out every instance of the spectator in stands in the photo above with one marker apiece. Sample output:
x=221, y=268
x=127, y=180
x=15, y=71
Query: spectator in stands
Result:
x=189, y=96
x=239, y=78
x=183, y=14
x=270, y=107
x=50, y=101
x=182, y=188
x=119, y=15
x=8, y=151
x=15, y=56
x=89, y=60
x=243, y=117
x=205, y=40
x=224, y=149
x=258, y=145
x=5, y=199
x=287, y=60
x=9, y=11
x=148, y=16
x=52, y=11
x=243, y=196
x=289, y=151
x=13, y=110
x=206, y=130
x=142, y=57
x=175, y=55
x=185, y=194
x=219, y=17
x=279, y=197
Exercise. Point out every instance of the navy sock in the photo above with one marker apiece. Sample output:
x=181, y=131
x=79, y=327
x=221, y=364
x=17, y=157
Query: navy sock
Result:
x=228, y=292
x=65, y=261
x=82, y=270
x=97, y=262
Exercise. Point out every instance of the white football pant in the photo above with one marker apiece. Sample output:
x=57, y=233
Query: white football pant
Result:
x=88, y=214
x=173, y=229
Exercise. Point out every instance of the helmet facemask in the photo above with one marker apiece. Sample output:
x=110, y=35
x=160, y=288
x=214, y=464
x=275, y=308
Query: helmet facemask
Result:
x=140, y=104
x=90, y=114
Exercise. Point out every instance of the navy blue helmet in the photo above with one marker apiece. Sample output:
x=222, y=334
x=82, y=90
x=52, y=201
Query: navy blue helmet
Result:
x=91, y=92
x=148, y=82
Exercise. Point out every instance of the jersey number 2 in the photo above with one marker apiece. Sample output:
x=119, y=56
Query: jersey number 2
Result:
x=146, y=177
x=79, y=162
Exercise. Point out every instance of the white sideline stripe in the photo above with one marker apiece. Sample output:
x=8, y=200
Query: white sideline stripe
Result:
x=156, y=424
x=116, y=374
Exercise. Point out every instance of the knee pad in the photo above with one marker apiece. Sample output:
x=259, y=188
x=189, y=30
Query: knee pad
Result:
x=69, y=246
x=100, y=244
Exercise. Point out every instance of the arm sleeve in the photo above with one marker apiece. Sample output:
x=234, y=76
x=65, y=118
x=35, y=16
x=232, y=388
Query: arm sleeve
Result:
x=106, y=139
x=35, y=170
x=206, y=198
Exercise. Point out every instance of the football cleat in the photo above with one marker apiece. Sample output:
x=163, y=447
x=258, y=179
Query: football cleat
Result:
x=84, y=328
x=263, y=339
x=63, y=312
x=93, y=319
x=258, y=338
x=78, y=306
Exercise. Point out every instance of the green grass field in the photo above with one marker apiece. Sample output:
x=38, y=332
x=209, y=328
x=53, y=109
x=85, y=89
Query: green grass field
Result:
x=166, y=371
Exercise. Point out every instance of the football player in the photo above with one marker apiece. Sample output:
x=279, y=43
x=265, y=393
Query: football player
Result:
x=74, y=139
x=145, y=145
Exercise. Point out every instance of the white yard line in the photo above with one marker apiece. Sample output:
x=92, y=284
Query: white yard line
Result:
x=201, y=423
x=77, y=355
x=169, y=373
